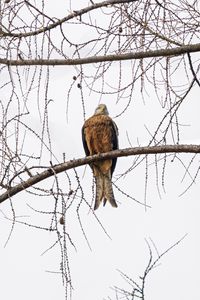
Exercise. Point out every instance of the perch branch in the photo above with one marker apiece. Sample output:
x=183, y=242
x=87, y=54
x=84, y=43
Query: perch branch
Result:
x=51, y=171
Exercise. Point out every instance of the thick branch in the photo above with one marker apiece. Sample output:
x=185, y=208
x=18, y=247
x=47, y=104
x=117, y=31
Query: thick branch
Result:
x=96, y=59
x=87, y=160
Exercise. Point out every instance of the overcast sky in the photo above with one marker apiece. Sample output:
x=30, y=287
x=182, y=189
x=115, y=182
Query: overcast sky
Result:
x=27, y=272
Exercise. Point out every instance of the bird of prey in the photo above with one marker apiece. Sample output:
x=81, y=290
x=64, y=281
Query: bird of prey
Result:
x=100, y=135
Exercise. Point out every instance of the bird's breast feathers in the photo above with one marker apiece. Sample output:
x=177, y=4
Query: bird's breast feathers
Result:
x=98, y=131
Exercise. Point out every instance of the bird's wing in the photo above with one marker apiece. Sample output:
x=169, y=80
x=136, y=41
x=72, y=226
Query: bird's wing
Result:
x=87, y=152
x=115, y=143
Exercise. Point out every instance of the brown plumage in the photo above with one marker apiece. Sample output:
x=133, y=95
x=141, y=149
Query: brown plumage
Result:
x=100, y=135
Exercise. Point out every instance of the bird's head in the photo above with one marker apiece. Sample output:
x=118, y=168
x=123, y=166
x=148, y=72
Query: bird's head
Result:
x=101, y=110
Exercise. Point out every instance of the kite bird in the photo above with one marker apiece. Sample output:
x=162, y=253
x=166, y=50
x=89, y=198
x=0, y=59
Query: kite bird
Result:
x=100, y=135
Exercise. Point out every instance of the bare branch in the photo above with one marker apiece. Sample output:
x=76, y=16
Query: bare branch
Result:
x=52, y=170
x=74, y=14
x=138, y=289
x=97, y=59
x=192, y=69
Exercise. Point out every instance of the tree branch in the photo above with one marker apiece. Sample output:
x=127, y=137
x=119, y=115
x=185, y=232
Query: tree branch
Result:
x=87, y=160
x=72, y=15
x=192, y=69
x=96, y=59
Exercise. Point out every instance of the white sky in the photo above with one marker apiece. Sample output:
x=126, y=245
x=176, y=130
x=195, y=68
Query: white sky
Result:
x=25, y=273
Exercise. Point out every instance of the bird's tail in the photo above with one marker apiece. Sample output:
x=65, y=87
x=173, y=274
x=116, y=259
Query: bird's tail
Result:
x=99, y=190
x=108, y=191
x=104, y=190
